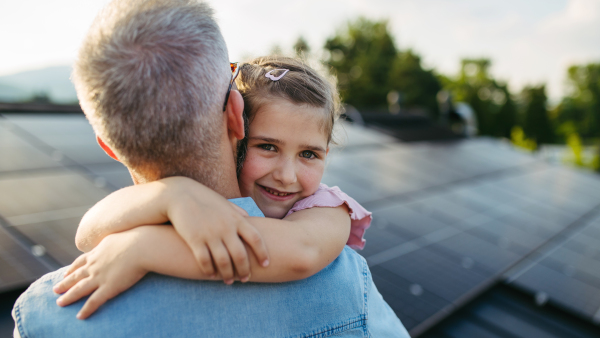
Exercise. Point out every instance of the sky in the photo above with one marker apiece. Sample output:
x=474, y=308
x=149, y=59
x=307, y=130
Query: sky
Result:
x=529, y=42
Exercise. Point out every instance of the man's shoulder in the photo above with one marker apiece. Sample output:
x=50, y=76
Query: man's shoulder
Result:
x=34, y=303
x=248, y=204
x=333, y=299
x=41, y=289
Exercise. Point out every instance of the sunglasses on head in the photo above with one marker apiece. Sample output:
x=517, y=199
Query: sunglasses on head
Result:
x=235, y=70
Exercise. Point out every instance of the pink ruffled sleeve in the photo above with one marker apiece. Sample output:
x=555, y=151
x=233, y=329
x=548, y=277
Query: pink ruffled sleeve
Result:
x=332, y=197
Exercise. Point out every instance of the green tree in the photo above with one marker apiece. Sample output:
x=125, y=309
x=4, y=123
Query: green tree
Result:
x=417, y=87
x=373, y=74
x=361, y=56
x=301, y=47
x=492, y=102
x=579, y=111
x=536, y=124
x=40, y=98
x=507, y=117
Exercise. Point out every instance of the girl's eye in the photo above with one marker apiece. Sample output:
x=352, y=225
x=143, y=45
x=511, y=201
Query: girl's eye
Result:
x=268, y=147
x=308, y=154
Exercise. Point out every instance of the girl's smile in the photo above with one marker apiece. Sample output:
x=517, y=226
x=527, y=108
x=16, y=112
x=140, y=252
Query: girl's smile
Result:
x=286, y=156
x=276, y=194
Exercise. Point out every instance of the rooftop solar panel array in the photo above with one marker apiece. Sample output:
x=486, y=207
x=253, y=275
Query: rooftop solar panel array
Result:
x=45, y=188
x=567, y=273
x=449, y=219
x=504, y=312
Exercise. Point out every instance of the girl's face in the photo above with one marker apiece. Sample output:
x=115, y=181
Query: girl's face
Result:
x=286, y=156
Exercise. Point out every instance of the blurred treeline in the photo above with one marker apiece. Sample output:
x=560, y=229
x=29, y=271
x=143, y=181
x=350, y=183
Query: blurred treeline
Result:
x=375, y=75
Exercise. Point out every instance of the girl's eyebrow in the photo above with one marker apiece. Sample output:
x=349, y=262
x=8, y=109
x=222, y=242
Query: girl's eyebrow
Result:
x=311, y=147
x=266, y=139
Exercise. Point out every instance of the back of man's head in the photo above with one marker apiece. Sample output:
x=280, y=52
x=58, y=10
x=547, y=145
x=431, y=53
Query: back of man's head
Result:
x=151, y=77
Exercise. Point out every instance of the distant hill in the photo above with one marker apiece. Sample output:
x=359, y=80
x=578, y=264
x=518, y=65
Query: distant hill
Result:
x=53, y=81
x=13, y=94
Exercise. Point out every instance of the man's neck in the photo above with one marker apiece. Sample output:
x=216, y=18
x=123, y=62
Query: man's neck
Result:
x=225, y=184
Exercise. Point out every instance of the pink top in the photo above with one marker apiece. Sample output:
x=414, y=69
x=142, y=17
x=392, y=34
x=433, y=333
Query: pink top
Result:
x=360, y=218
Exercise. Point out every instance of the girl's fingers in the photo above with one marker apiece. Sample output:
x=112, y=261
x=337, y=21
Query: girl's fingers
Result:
x=239, y=256
x=253, y=238
x=80, y=290
x=77, y=263
x=204, y=260
x=99, y=297
x=69, y=281
x=222, y=260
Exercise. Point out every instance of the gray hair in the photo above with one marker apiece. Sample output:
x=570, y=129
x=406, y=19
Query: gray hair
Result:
x=151, y=77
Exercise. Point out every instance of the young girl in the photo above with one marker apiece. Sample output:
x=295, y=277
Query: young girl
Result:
x=290, y=111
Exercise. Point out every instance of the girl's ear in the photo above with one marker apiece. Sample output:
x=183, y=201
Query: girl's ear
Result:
x=106, y=148
x=235, y=115
x=327, y=151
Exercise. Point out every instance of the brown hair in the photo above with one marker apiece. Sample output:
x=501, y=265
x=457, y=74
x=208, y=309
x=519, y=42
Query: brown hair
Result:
x=301, y=85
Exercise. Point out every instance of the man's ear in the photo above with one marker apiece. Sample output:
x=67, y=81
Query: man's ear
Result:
x=235, y=115
x=106, y=149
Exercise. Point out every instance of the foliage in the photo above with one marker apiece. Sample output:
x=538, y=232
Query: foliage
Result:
x=418, y=87
x=517, y=136
x=507, y=118
x=301, y=47
x=574, y=142
x=373, y=73
x=579, y=156
x=492, y=102
x=40, y=98
x=579, y=111
x=536, y=122
x=361, y=56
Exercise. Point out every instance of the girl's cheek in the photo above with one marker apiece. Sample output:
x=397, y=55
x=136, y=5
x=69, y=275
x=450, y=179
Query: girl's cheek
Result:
x=311, y=176
x=254, y=168
x=255, y=163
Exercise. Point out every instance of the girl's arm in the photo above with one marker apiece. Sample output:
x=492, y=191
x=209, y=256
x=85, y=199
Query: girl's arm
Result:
x=210, y=225
x=302, y=243
x=122, y=259
x=142, y=204
x=299, y=246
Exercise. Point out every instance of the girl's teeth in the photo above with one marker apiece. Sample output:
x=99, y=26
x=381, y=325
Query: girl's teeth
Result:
x=276, y=193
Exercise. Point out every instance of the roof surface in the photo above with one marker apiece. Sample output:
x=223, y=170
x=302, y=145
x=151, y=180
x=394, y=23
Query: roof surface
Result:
x=504, y=312
x=450, y=219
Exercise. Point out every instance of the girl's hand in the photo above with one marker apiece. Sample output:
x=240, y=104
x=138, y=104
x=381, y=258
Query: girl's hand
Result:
x=216, y=230
x=112, y=267
x=213, y=228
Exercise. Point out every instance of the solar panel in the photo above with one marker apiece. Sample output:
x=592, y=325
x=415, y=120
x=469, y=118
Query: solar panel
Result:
x=19, y=155
x=18, y=266
x=449, y=218
x=47, y=192
x=56, y=236
x=440, y=275
x=112, y=174
x=44, y=193
x=568, y=273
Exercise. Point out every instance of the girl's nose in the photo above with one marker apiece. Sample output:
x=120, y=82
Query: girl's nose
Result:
x=285, y=173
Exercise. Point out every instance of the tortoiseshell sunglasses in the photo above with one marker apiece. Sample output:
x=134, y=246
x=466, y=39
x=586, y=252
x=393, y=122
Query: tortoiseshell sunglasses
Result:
x=235, y=70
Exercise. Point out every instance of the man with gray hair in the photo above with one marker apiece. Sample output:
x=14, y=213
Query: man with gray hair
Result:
x=151, y=78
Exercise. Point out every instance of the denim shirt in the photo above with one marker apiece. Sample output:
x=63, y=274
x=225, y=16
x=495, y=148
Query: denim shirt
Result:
x=341, y=300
